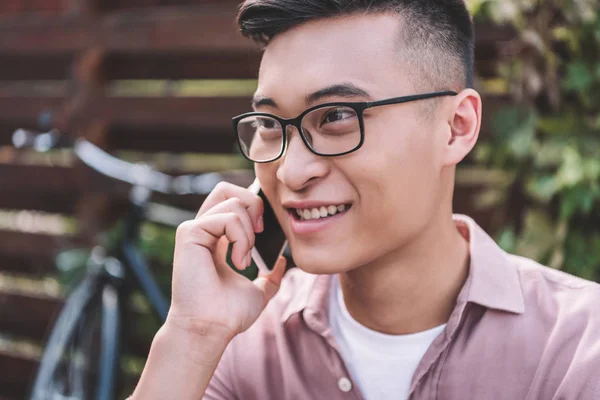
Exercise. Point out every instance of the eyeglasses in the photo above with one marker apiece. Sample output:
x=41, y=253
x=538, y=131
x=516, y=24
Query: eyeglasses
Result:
x=328, y=130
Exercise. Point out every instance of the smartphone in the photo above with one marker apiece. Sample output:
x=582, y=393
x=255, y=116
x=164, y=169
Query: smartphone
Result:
x=268, y=245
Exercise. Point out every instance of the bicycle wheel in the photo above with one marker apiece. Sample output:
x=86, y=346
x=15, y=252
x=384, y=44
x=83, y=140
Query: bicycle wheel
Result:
x=69, y=366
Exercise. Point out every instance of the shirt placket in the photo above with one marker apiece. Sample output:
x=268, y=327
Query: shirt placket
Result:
x=347, y=387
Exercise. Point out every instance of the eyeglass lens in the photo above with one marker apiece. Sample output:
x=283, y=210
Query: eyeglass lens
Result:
x=328, y=131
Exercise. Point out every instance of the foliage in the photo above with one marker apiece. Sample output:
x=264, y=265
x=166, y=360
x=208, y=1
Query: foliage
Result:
x=547, y=143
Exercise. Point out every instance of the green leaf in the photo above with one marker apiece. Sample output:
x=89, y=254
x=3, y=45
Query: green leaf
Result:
x=483, y=152
x=516, y=128
x=591, y=168
x=571, y=171
x=489, y=198
x=564, y=34
x=542, y=188
x=550, y=153
x=507, y=240
x=522, y=140
x=565, y=124
x=537, y=238
x=579, y=76
x=507, y=120
x=579, y=199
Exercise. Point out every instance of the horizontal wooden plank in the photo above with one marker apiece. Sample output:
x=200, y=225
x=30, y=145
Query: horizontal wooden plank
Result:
x=192, y=124
x=17, y=375
x=204, y=113
x=132, y=4
x=136, y=65
x=32, y=253
x=8, y=7
x=25, y=111
x=31, y=198
x=39, y=178
x=42, y=34
x=27, y=316
x=174, y=139
x=50, y=188
x=198, y=28
x=54, y=66
x=181, y=65
x=25, y=264
x=191, y=28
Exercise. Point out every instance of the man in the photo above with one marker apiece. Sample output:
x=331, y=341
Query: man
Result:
x=394, y=297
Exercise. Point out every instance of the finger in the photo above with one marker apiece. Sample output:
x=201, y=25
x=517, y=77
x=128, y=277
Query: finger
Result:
x=235, y=205
x=269, y=284
x=224, y=191
x=207, y=231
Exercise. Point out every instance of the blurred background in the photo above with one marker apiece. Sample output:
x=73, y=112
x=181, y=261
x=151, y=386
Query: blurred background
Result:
x=159, y=80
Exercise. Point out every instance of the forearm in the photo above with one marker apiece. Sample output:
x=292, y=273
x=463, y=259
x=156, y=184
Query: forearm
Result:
x=180, y=365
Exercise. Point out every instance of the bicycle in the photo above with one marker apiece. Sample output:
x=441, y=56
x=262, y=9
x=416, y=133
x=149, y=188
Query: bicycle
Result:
x=90, y=325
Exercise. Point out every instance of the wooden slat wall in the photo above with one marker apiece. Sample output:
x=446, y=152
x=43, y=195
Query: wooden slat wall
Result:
x=88, y=44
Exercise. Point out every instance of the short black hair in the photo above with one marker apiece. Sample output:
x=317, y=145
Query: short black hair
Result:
x=437, y=34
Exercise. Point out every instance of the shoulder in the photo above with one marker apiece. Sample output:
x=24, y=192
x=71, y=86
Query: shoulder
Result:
x=546, y=283
x=562, y=297
x=562, y=316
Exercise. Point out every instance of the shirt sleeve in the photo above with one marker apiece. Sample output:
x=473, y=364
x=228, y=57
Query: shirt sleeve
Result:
x=221, y=386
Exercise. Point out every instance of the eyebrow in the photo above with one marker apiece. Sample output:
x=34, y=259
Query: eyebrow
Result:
x=346, y=90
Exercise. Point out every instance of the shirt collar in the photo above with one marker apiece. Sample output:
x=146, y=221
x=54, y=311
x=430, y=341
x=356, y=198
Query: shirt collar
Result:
x=493, y=281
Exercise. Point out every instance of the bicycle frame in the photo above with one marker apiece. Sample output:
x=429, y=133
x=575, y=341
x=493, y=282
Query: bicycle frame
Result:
x=113, y=299
x=137, y=264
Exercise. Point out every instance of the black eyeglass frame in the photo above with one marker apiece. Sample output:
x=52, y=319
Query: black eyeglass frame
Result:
x=358, y=107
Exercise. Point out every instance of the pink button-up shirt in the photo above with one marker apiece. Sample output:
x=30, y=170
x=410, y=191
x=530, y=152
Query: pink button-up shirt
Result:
x=519, y=331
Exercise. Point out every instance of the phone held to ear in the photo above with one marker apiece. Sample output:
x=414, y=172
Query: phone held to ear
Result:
x=268, y=245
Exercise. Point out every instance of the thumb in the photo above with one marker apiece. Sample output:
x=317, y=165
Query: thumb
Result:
x=269, y=284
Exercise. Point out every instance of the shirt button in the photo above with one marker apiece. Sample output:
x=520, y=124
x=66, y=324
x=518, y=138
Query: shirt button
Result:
x=345, y=384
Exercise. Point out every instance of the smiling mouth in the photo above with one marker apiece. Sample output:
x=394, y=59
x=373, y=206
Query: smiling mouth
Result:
x=323, y=212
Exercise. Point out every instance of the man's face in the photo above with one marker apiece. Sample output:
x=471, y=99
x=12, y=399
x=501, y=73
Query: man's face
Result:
x=392, y=186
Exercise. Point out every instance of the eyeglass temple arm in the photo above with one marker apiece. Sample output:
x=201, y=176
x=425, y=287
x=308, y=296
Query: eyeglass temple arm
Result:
x=407, y=99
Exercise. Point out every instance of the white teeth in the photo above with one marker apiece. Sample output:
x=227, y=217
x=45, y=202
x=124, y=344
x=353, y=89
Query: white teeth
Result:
x=321, y=212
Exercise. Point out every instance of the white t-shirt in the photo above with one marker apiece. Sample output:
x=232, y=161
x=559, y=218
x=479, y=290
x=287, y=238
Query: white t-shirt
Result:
x=381, y=365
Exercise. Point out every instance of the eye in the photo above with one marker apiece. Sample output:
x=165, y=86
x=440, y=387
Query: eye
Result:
x=338, y=114
x=265, y=123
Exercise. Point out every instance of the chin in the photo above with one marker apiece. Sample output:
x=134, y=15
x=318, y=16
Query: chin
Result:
x=322, y=262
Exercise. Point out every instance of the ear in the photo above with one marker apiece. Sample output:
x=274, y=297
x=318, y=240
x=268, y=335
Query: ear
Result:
x=464, y=119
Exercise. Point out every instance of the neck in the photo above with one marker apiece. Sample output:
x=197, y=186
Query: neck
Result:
x=415, y=288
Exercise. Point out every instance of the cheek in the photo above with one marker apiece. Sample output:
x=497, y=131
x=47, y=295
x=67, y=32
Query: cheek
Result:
x=398, y=164
x=398, y=186
x=266, y=174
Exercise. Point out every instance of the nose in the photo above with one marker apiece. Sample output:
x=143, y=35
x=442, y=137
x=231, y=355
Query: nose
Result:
x=299, y=167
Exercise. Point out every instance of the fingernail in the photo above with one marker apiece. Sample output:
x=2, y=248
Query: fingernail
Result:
x=249, y=258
